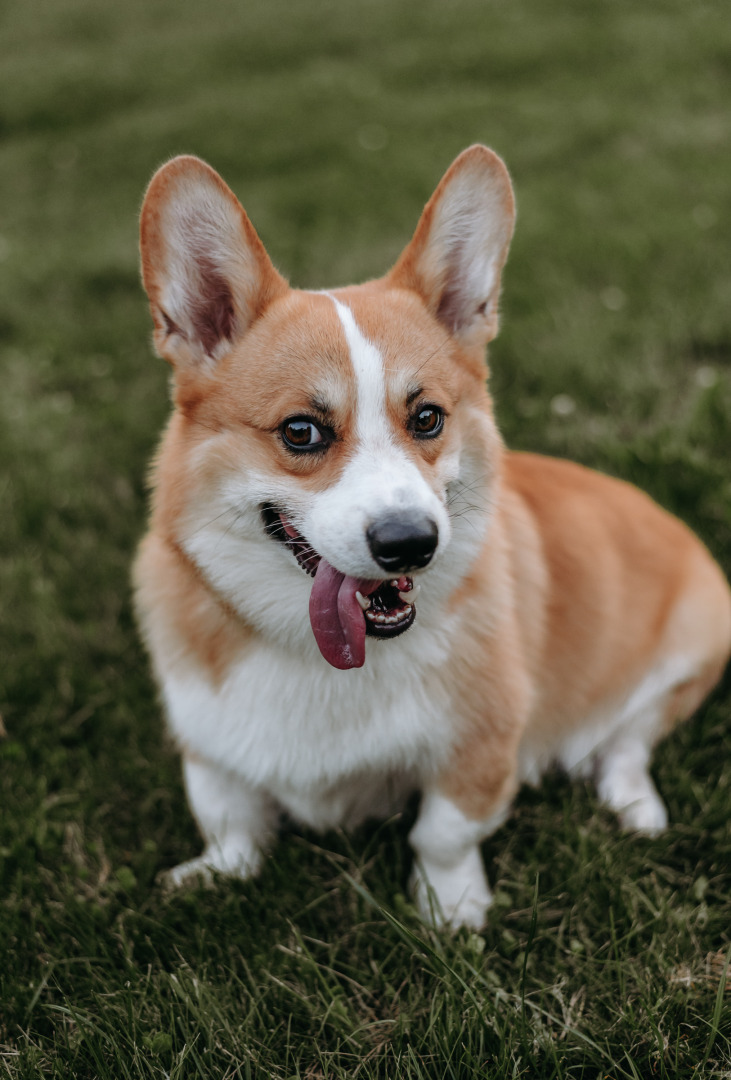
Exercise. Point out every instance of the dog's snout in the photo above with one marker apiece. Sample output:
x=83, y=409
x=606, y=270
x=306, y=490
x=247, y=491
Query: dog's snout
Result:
x=402, y=542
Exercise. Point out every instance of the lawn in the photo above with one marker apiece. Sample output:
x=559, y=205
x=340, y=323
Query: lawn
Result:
x=605, y=955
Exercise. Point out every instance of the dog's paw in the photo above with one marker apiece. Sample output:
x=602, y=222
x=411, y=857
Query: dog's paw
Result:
x=626, y=787
x=452, y=898
x=193, y=872
x=647, y=816
x=204, y=869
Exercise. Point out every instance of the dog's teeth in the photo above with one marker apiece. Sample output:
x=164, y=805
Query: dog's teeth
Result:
x=364, y=601
x=411, y=595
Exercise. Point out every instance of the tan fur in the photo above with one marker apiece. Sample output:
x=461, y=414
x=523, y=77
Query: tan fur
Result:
x=188, y=622
x=597, y=568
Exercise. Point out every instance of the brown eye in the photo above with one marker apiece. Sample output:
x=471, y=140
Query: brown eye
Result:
x=303, y=434
x=427, y=422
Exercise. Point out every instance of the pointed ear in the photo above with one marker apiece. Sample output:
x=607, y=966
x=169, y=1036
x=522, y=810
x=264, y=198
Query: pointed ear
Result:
x=205, y=270
x=457, y=253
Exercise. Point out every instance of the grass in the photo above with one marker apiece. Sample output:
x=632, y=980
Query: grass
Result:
x=604, y=956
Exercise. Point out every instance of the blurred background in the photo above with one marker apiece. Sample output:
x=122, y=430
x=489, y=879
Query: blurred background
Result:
x=332, y=121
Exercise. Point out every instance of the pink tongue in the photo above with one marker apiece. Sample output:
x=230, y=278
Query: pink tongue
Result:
x=337, y=618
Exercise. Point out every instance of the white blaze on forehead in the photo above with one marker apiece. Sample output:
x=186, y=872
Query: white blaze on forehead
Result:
x=368, y=367
x=379, y=477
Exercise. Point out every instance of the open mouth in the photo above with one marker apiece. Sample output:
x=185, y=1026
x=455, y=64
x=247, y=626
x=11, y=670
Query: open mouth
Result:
x=343, y=610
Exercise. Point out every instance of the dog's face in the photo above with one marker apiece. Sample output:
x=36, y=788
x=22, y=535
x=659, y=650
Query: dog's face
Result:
x=341, y=434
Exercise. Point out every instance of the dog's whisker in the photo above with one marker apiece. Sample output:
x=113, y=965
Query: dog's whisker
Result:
x=455, y=503
x=389, y=369
x=461, y=496
x=460, y=487
x=212, y=521
x=469, y=510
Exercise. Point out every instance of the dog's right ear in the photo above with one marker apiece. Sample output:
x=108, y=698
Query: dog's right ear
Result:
x=205, y=270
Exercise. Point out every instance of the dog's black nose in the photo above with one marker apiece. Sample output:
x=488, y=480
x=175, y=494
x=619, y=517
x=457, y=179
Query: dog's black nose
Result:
x=403, y=542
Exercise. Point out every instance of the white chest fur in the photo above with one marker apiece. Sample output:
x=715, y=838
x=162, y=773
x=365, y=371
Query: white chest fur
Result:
x=320, y=741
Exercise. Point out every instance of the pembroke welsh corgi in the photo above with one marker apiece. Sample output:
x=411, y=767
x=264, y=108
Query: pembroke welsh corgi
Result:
x=351, y=590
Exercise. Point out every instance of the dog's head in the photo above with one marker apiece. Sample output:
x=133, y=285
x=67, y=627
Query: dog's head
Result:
x=346, y=431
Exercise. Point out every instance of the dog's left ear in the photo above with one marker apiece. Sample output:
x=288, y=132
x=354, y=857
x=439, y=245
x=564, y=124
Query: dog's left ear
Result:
x=457, y=253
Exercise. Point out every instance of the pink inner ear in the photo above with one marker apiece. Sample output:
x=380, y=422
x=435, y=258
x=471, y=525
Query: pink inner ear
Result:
x=453, y=304
x=212, y=313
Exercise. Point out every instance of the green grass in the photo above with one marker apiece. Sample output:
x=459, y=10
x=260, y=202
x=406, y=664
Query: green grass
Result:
x=604, y=956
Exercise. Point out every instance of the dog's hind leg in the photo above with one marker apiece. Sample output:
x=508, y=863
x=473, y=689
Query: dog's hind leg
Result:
x=236, y=821
x=668, y=695
x=696, y=644
x=623, y=779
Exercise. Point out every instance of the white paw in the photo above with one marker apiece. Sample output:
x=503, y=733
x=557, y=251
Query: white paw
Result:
x=626, y=787
x=194, y=871
x=203, y=869
x=454, y=897
x=646, y=815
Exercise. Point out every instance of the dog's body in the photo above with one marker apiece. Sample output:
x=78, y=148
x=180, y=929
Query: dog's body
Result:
x=563, y=616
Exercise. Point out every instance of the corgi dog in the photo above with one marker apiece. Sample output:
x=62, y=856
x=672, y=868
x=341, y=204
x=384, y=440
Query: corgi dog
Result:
x=351, y=590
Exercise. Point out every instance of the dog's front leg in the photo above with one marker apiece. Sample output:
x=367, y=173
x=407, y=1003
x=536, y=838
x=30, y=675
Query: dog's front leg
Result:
x=236, y=821
x=470, y=800
x=448, y=880
x=472, y=797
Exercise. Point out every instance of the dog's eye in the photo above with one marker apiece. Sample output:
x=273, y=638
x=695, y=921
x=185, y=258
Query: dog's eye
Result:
x=427, y=422
x=303, y=434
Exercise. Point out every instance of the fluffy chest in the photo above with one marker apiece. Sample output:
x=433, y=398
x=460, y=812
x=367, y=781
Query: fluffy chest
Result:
x=292, y=725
